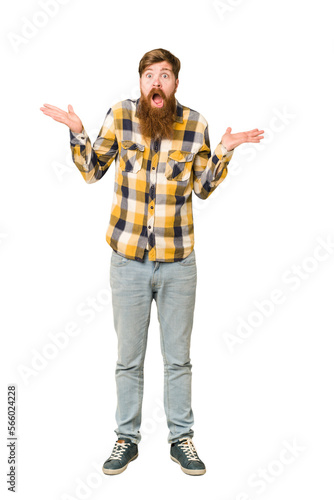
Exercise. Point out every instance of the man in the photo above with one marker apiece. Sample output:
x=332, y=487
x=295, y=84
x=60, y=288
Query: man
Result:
x=162, y=153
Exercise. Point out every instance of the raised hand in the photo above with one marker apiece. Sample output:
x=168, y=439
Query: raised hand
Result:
x=231, y=141
x=68, y=118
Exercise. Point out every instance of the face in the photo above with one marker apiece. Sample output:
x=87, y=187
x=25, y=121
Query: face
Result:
x=157, y=108
x=158, y=83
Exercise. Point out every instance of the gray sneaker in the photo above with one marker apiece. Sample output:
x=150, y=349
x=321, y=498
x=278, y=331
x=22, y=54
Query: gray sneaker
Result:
x=123, y=453
x=184, y=453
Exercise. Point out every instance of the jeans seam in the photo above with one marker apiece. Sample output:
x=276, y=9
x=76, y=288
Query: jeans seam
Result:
x=166, y=375
x=141, y=373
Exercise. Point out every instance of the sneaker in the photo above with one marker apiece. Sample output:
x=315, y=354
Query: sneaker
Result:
x=123, y=453
x=184, y=453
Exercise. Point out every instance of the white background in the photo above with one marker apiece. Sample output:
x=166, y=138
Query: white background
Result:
x=245, y=64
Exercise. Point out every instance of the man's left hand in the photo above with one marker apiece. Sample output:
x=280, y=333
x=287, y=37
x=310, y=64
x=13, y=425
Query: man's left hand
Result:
x=231, y=141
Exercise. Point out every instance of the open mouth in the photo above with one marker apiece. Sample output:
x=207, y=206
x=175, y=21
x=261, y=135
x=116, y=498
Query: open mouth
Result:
x=158, y=100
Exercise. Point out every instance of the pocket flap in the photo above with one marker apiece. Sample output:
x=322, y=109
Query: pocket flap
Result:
x=180, y=156
x=132, y=145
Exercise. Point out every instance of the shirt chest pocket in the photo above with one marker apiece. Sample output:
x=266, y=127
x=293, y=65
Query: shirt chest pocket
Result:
x=179, y=165
x=131, y=156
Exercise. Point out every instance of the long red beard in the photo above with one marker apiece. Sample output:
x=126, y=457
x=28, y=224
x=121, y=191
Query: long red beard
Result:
x=157, y=123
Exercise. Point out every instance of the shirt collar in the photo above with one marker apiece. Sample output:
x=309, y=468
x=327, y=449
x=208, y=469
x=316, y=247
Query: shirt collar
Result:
x=179, y=110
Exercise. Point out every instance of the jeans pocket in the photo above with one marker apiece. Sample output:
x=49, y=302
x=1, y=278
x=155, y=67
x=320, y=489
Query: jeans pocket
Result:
x=190, y=260
x=118, y=260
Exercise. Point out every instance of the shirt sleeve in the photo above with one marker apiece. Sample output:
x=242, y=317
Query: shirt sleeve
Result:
x=210, y=170
x=94, y=161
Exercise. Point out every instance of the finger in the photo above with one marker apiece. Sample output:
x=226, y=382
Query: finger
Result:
x=52, y=112
x=55, y=116
x=52, y=107
x=47, y=110
x=254, y=134
x=55, y=111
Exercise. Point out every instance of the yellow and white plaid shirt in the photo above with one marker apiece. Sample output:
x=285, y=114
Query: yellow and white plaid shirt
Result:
x=154, y=180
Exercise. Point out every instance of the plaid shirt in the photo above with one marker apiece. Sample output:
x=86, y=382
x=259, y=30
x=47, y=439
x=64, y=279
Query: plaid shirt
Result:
x=152, y=198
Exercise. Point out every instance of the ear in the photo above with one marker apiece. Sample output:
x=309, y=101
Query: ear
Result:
x=176, y=84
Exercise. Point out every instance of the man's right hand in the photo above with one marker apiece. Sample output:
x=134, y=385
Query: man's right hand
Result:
x=69, y=118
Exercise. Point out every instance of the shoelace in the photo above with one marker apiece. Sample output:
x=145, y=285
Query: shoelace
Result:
x=187, y=446
x=118, y=450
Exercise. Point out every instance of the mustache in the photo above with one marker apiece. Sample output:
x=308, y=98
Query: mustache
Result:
x=156, y=91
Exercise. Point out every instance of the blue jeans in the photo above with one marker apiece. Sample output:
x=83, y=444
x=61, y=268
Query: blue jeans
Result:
x=173, y=286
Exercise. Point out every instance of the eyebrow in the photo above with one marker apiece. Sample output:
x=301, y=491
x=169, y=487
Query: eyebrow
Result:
x=162, y=69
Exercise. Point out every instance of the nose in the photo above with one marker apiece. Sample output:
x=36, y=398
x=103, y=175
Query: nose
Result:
x=156, y=82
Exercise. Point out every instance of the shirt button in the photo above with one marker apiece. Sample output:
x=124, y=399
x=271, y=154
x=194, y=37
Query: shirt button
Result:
x=151, y=206
x=149, y=227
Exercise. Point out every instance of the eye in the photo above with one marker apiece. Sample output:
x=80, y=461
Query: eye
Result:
x=148, y=75
x=165, y=75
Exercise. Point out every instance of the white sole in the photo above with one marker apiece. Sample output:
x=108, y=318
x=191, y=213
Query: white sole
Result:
x=113, y=472
x=191, y=472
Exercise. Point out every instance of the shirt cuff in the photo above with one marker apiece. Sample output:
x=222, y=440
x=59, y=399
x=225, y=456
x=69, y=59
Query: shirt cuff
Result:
x=78, y=138
x=225, y=152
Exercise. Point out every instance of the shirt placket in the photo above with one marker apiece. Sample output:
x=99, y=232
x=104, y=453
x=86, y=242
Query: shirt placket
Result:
x=152, y=200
